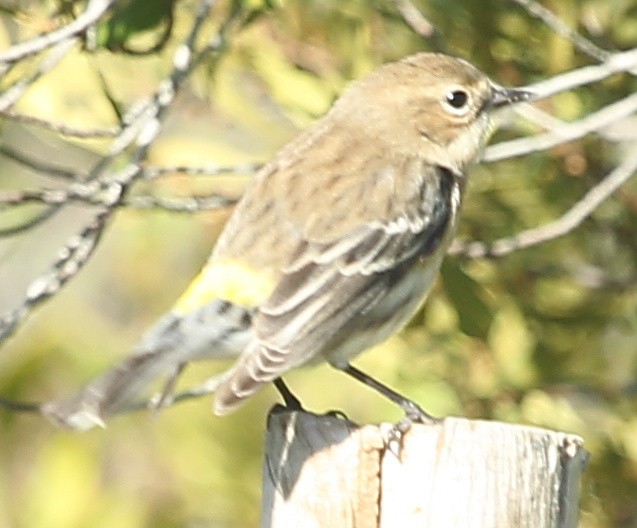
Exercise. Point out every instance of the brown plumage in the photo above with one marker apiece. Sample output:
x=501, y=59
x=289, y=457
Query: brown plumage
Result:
x=335, y=243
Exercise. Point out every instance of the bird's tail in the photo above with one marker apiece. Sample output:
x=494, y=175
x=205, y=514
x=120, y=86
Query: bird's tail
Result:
x=109, y=392
x=214, y=331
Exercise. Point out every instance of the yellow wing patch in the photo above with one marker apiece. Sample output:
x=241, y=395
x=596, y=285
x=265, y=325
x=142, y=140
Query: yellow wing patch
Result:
x=231, y=281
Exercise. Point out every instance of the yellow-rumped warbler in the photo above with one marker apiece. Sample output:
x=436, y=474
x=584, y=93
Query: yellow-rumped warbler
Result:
x=334, y=244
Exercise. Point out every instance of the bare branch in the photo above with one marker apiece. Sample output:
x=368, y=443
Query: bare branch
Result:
x=190, y=204
x=22, y=407
x=561, y=132
x=539, y=117
x=61, y=128
x=619, y=62
x=159, y=401
x=144, y=129
x=80, y=192
x=12, y=94
x=43, y=216
x=561, y=28
x=151, y=173
x=104, y=196
x=415, y=19
x=37, y=165
x=564, y=133
x=563, y=225
x=94, y=10
x=72, y=257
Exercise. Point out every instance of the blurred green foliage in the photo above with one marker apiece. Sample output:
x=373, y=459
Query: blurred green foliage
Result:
x=132, y=19
x=547, y=335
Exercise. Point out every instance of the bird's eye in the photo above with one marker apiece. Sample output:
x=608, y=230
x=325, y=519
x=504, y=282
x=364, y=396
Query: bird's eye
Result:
x=457, y=101
x=457, y=98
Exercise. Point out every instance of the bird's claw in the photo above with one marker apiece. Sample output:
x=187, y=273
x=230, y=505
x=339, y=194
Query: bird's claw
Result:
x=414, y=414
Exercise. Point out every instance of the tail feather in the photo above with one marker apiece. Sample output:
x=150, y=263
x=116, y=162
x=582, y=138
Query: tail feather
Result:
x=214, y=331
x=108, y=393
x=258, y=365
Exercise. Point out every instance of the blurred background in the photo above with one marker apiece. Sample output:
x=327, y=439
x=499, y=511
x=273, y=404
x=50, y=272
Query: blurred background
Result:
x=546, y=335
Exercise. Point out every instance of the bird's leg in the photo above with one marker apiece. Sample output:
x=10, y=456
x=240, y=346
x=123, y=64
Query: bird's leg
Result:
x=291, y=401
x=413, y=412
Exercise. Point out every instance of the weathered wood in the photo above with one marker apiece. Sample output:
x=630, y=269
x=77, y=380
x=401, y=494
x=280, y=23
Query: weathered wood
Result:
x=324, y=471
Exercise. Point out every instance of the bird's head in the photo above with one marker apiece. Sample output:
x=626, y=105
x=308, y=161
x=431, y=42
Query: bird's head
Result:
x=427, y=104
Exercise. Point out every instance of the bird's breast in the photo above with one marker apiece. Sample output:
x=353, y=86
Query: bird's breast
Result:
x=439, y=208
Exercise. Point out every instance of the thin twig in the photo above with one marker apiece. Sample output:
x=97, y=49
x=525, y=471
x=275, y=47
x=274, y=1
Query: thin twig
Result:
x=206, y=388
x=12, y=94
x=151, y=173
x=42, y=216
x=87, y=194
x=563, y=225
x=19, y=406
x=61, y=128
x=535, y=115
x=190, y=204
x=143, y=131
x=70, y=259
x=561, y=28
x=617, y=63
x=563, y=134
x=94, y=10
x=415, y=19
x=38, y=165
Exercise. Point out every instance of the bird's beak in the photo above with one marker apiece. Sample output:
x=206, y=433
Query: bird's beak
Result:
x=506, y=96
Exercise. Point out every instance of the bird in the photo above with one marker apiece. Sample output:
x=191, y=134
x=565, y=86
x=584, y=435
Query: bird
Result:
x=333, y=246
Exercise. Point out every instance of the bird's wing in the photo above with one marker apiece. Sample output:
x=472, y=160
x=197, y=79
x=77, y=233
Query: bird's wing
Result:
x=329, y=285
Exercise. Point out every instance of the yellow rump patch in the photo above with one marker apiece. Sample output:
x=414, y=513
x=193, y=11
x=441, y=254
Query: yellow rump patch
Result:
x=231, y=281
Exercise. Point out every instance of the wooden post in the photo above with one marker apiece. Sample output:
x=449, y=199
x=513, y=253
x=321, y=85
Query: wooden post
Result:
x=324, y=471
